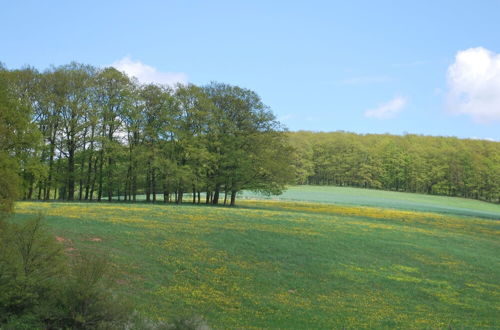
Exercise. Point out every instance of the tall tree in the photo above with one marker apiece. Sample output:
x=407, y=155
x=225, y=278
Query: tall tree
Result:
x=19, y=137
x=113, y=98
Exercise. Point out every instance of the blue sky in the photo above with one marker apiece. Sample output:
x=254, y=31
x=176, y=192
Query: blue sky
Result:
x=425, y=67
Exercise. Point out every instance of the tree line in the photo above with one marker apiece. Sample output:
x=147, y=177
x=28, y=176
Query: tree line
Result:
x=97, y=134
x=412, y=163
x=93, y=134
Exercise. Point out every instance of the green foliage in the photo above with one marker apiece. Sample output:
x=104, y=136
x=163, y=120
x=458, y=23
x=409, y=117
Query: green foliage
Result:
x=84, y=300
x=19, y=143
x=31, y=264
x=412, y=163
x=188, y=323
x=39, y=289
x=106, y=135
x=9, y=183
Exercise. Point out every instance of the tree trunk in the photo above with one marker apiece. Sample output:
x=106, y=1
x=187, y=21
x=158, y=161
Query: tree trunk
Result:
x=233, y=197
x=148, y=183
x=111, y=182
x=165, y=193
x=30, y=191
x=215, y=199
x=110, y=179
x=126, y=193
x=180, y=194
x=89, y=165
x=153, y=184
x=71, y=173
x=101, y=164
x=51, y=165
x=82, y=166
x=94, y=178
x=39, y=192
x=134, y=186
x=89, y=176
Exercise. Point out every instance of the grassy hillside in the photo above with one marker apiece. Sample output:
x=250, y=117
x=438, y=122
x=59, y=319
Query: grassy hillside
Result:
x=386, y=199
x=292, y=264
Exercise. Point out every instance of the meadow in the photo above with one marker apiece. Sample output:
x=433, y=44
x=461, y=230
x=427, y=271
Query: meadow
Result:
x=314, y=263
x=385, y=199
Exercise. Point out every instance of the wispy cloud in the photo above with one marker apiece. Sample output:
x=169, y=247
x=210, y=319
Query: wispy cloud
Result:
x=388, y=109
x=486, y=139
x=474, y=85
x=366, y=80
x=147, y=74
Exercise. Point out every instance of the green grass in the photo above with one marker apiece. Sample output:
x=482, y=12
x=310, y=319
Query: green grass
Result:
x=285, y=264
x=386, y=199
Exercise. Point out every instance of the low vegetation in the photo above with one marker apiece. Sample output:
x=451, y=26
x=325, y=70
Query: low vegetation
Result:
x=42, y=288
x=291, y=264
x=385, y=199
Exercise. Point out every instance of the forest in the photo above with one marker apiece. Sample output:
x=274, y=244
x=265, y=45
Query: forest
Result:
x=412, y=163
x=93, y=134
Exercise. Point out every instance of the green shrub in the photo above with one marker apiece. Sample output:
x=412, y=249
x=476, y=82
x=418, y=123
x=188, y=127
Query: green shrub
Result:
x=31, y=264
x=85, y=300
x=40, y=287
x=189, y=323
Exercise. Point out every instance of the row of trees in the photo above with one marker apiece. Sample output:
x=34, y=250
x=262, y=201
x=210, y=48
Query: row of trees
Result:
x=106, y=136
x=413, y=163
x=84, y=133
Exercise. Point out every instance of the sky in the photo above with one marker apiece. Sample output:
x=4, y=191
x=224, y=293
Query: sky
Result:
x=422, y=67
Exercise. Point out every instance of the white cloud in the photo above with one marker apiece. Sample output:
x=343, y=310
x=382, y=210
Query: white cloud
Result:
x=147, y=74
x=388, y=109
x=486, y=138
x=474, y=84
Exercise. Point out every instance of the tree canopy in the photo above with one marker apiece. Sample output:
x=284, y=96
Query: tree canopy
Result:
x=106, y=136
x=413, y=163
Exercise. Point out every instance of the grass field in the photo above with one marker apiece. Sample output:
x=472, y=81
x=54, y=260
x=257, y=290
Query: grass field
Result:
x=288, y=264
x=386, y=199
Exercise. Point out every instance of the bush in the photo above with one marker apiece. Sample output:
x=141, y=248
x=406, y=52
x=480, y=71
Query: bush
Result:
x=85, y=301
x=31, y=264
x=193, y=322
x=40, y=287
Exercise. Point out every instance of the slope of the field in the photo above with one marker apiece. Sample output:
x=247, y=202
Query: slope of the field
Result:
x=270, y=264
x=386, y=199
